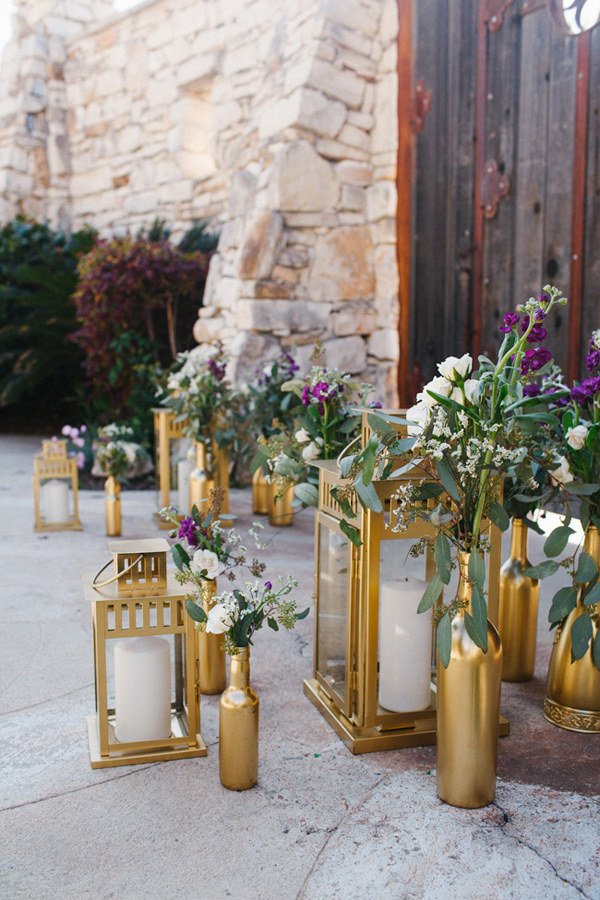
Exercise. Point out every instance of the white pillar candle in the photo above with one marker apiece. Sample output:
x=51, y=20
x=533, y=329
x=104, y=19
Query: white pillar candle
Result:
x=185, y=467
x=404, y=646
x=55, y=495
x=142, y=689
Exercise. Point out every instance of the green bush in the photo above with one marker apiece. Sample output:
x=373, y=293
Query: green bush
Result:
x=39, y=366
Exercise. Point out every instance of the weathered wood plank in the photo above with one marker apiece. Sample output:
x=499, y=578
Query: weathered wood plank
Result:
x=591, y=271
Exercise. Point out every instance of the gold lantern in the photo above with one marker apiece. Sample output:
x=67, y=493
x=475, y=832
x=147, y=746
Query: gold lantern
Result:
x=167, y=427
x=345, y=686
x=55, y=481
x=140, y=601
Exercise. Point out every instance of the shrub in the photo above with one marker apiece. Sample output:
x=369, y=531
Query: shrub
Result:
x=128, y=286
x=39, y=366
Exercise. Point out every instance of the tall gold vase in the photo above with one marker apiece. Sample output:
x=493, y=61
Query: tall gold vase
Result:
x=220, y=458
x=238, y=727
x=573, y=688
x=212, y=669
x=112, y=500
x=468, y=711
x=261, y=493
x=518, y=609
x=281, y=512
x=200, y=484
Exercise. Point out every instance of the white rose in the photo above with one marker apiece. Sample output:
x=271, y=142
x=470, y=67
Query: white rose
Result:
x=454, y=366
x=219, y=619
x=577, y=436
x=302, y=436
x=469, y=388
x=563, y=474
x=418, y=418
x=439, y=386
x=311, y=451
x=206, y=560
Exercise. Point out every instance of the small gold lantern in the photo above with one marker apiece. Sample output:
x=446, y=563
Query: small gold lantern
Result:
x=141, y=601
x=167, y=427
x=345, y=683
x=55, y=480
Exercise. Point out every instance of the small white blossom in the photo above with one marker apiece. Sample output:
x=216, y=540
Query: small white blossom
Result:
x=577, y=436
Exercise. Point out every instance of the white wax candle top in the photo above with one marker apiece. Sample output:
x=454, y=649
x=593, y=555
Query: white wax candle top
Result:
x=142, y=689
x=404, y=646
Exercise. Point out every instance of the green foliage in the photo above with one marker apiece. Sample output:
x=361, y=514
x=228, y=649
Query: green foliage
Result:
x=39, y=366
x=199, y=238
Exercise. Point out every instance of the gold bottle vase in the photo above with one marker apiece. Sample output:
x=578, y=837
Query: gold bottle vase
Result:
x=212, y=669
x=573, y=687
x=468, y=712
x=281, y=512
x=221, y=473
x=261, y=493
x=238, y=727
x=112, y=499
x=200, y=484
x=518, y=609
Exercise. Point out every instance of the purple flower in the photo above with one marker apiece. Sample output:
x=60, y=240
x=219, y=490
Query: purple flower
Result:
x=268, y=585
x=511, y=320
x=187, y=531
x=321, y=390
x=534, y=360
x=217, y=370
x=543, y=298
x=531, y=390
x=306, y=395
x=592, y=360
x=376, y=404
x=538, y=332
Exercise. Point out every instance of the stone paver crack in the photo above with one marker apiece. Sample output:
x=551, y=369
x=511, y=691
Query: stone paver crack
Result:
x=334, y=828
x=524, y=843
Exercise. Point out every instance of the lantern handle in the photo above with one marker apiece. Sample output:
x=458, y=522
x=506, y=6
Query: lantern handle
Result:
x=346, y=448
x=114, y=577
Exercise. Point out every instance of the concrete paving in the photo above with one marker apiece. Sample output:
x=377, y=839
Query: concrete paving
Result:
x=320, y=825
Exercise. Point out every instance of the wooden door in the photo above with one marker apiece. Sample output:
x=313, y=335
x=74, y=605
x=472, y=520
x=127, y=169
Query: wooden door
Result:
x=505, y=178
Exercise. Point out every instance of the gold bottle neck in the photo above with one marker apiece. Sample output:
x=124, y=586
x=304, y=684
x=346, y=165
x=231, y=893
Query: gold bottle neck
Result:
x=239, y=673
x=592, y=543
x=518, y=540
x=464, y=587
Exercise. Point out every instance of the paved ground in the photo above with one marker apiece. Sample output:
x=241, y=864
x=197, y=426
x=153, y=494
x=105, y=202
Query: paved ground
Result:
x=321, y=824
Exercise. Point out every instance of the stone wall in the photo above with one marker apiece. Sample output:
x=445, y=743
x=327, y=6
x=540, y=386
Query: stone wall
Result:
x=277, y=118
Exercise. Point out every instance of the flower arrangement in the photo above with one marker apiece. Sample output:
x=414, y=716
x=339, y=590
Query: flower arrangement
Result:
x=238, y=614
x=79, y=444
x=467, y=430
x=266, y=400
x=197, y=390
x=578, y=473
x=117, y=454
x=326, y=418
x=204, y=550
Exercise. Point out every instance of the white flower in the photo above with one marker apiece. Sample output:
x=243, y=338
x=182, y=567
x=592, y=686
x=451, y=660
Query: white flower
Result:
x=453, y=366
x=302, y=436
x=469, y=388
x=312, y=450
x=418, y=418
x=576, y=436
x=439, y=386
x=219, y=619
x=563, y=474
x=206, y=560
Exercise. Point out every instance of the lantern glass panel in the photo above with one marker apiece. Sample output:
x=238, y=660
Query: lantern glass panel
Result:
x=334, y=622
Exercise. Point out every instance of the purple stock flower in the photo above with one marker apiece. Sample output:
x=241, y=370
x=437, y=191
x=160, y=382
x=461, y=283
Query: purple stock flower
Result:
x=511, y=320
x=531, y=390
x=585, y=391
x=538, y=332
x=534, y=360
x=376, y=404
x=592, y=360
x=187, y=531
x=321, y=391
x=268, y=585
x=217, y=370
x=306, y=395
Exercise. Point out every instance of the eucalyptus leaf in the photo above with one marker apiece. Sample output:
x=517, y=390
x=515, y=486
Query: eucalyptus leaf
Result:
x=369, y=458
x=272, y=623
x=379, y=424
x=432, y=592
x=477, y=568
x=592, y=596
x=479, y=617
x=346, y=464
x=557, y=540
x=352, y=533
x=582, y=490
x=307, y=493
x=542, y=570
x=586, y=568
x=581, y=633
x=562, y=603
x=368, y=495
x=303, y=614
x=447, y=479
x=195, y=612
x=180, y=557
x=444, y=640
x=498, y=515
x=441, y=554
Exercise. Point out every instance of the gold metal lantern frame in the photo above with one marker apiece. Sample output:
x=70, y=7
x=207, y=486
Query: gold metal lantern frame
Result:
x=344, y=686
x=167, y=427
x=52, y=462
x=141, y=600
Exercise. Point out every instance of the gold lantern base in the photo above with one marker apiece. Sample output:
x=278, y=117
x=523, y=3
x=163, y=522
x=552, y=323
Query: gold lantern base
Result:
x=58, y=526
x=141, y=755
x=419, y=730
